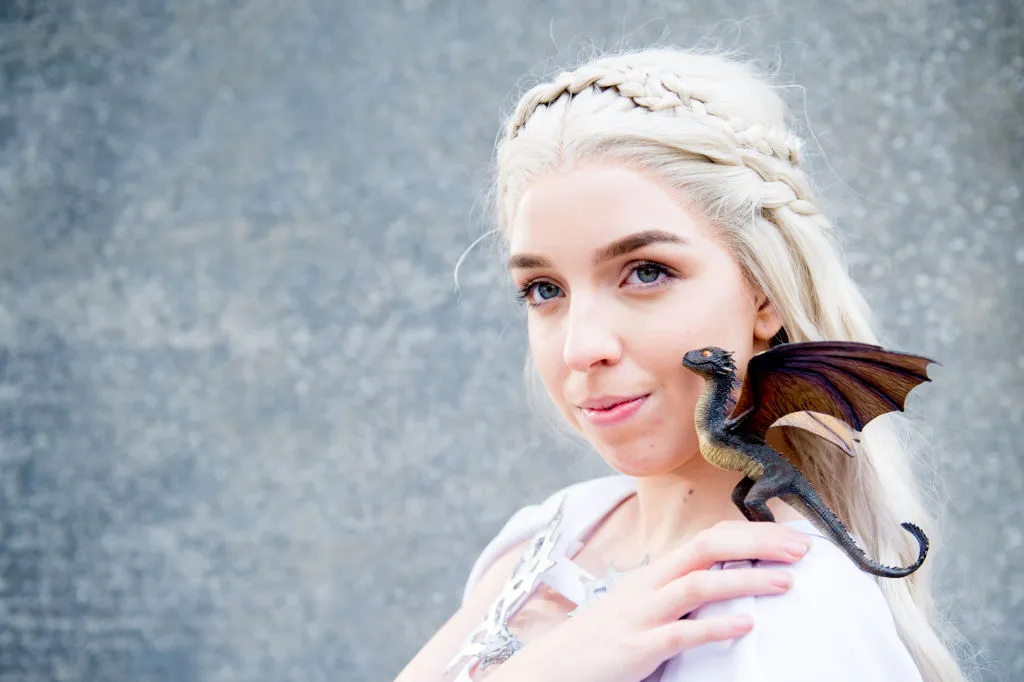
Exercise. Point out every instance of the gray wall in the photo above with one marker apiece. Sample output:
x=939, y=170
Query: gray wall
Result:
x=248, y=431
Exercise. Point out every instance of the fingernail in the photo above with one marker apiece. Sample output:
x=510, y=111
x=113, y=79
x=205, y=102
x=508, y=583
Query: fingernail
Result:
x=783, y=581
x=797, y=549
x=742, y=622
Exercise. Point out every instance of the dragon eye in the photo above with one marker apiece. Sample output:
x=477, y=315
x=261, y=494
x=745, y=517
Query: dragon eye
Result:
x=706, y=353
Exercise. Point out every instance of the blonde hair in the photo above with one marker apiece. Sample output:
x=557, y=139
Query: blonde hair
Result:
x=713, y=128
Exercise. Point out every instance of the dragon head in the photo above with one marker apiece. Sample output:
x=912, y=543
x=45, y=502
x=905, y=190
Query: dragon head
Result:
x=710, y=361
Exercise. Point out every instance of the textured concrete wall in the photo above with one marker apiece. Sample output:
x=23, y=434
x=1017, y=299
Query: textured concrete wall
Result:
x=247, y=429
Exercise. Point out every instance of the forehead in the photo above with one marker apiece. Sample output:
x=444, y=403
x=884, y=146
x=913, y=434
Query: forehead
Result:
x=587, y=207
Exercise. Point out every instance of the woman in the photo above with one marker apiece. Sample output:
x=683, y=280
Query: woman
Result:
x=653, y=203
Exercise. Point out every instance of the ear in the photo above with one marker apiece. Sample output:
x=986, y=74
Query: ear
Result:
x=768, y=322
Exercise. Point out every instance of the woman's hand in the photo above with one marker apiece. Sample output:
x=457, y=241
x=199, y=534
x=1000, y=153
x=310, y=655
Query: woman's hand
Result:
x=626, y=635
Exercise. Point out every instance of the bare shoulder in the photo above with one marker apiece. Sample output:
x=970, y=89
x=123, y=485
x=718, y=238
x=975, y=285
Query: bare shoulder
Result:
x=430, y=662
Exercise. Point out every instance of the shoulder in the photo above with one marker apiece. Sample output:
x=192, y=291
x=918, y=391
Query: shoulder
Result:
x=831, y=594
x=834, y=623
x=527, y=520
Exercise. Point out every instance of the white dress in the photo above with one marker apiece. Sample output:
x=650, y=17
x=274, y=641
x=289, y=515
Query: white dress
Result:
x=833, y=624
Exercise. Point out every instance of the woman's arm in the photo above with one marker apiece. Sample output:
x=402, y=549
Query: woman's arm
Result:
x=430, y=662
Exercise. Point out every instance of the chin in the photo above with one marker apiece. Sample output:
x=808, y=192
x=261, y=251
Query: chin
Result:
x=642, y=459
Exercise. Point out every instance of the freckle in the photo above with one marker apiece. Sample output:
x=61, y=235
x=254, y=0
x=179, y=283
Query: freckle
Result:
x=690, y=491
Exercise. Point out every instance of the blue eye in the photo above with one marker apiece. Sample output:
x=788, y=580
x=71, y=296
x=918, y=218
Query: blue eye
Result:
x=545, y=292
x=647, y=274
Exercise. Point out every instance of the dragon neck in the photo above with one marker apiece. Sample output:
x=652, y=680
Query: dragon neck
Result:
x=713, y=405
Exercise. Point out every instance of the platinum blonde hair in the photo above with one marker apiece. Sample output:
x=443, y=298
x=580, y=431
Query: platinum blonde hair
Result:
x=712, y=128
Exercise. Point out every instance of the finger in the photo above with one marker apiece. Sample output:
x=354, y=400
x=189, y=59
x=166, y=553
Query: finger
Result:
x=733, y=541
x=689, y=634
x=698, y=588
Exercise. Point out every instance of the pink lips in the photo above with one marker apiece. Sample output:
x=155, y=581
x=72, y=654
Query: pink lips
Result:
x=612, y=410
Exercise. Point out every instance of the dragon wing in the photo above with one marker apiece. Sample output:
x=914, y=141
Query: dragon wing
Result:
x=835, y=432
x=853, y=382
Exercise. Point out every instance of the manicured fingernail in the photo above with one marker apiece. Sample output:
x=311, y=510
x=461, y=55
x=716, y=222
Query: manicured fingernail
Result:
x=797, y=549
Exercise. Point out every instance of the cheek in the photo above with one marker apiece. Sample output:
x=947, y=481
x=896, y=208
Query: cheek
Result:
x=546, y=351
x=705, y=312
x=686, y=320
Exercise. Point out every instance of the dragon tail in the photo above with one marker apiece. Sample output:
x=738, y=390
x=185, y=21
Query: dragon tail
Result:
x=818, y=513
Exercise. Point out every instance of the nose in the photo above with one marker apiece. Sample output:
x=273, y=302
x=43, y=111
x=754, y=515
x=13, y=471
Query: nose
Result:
x=591, y=338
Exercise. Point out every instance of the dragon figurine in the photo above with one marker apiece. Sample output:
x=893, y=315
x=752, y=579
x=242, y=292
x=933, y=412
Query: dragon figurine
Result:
x=830, y=388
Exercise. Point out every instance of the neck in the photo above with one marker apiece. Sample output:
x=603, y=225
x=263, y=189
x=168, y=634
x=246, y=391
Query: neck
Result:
x=670, y=509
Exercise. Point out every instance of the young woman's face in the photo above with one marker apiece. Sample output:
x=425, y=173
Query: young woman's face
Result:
x=621, y=281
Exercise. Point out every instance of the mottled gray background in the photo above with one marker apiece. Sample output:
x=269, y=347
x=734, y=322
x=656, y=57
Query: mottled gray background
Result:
x=249, y=429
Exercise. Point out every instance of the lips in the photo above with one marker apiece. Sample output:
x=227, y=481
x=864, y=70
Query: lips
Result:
x=608, y=402
x=612, y=410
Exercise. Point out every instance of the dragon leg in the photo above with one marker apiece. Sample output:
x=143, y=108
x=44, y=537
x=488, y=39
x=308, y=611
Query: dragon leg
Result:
x=739, y=496
x=759, y=493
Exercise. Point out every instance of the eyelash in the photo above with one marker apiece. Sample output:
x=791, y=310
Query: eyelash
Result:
x=523, y=293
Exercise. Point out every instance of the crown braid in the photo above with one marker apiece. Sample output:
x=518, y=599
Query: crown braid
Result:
x=770, y=152
x=654, y=89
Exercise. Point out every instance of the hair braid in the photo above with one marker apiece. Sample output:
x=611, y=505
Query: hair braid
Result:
x=654, y=89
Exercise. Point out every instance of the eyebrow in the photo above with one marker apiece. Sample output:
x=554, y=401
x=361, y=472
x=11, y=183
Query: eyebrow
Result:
x=616, y=249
